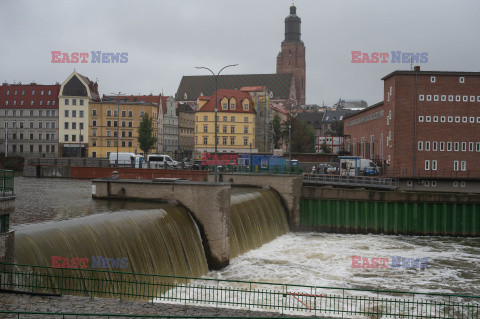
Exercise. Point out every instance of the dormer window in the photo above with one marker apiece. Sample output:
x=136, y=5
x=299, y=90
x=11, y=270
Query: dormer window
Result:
x=233, y=106
x=224, y=106
x=245, y=106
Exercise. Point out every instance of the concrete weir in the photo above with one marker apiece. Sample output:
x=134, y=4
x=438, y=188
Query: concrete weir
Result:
x=209, y=204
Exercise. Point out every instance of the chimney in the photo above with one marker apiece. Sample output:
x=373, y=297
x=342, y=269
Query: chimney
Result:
x=417, y=68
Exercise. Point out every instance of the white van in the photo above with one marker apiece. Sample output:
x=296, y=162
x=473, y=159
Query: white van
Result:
x=161, y=161
x=354, y=165
x=124, y=159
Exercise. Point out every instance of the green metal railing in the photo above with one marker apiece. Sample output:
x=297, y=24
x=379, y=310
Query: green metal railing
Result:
x=314, y=300
x=6, y=182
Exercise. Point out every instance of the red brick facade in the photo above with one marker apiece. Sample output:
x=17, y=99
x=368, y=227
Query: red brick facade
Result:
x=427, y=127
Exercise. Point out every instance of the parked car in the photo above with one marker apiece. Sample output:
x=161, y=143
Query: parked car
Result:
x=125, y=159
x=161, y=161
x=324, y=169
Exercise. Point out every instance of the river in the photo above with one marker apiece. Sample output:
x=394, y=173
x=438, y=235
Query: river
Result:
x=296, y=258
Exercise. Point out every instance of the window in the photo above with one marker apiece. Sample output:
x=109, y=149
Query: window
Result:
x=421, y=97
x=66, y=138
x=130, y=134
x=435, y=98
x=457, y=98
x=109, y=112
x=233, y=106
x=427, y=146
x=450, y=98
x=52, y=124
x=245, y=119
x=464, y=119
x=74, y=138
x=434, y=165
x=245, y=107
x=420, y=118
x=66, y=113
x=245, y=129
x=442, y=146
x=124, y=113
x=130, y=114
x=224, y=140
x=472, y=98
x=461, y=79
x=66, y=125
x=31, y=124
x=232, y=129
x=94, y=112
x=109, y=133
x=205, y=118
x=464, y=146
x=31, y=136
x=456, y=146
x=224, y=106
x=224, y=129
x=478, y=119
x=245, y=141
x=455, y=166
x=420, y=145
x=429, y=97
x=457, y=119
x=225, y=119
x=232, y=119
x=115, y=113
x=81, y=113
x=205, y=140
x=442, y=119
x=478, y=147
x=472, y=119
x=109, y=123
x=232, y=140
x=432, y=79
x=81, y=125
x=8, y=92
x=449, y=146
x=94, y=123
x=444, y=98
x=130, y=143
x=74, y=113
x=130, y=124
x=124, y=134
x=124, y=124
x=409, y=183
x=67, y=102
x=31, y=103
x=205, y=128
x=74, y=126
x=435, y=118
x=115, y=123
x=123, y=144
x=21, y=124
x=463, y=166
x=81, y=102
x=74, y=101
x=470, y=146
x=428, y=118
x=450, y=119
x=434, y=146
x=94, y=132
x=427, y=165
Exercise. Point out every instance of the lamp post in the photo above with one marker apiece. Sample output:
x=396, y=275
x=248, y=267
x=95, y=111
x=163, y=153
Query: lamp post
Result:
x=215, y=77
x=118, y=122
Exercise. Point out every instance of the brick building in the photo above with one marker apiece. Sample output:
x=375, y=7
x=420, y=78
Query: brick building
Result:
x=29, y=119
x=426, y=131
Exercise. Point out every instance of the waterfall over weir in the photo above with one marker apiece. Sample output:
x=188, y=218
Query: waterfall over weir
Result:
x=164, y=241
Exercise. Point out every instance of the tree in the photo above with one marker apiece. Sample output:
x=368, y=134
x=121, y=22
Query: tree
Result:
x=277, y=131
x=337, y=128
x=303, y=136
x=325, y=148
x=145, y=138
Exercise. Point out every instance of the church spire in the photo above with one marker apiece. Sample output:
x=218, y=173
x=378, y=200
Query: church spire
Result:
x=292, y=26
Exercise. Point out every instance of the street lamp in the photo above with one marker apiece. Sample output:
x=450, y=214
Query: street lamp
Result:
x=215, y=77
x=118, y=122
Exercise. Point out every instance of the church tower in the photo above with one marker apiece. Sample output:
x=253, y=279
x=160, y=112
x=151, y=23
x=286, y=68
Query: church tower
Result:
x=291, y=58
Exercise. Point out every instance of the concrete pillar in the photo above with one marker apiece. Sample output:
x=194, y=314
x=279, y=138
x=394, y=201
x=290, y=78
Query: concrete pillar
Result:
x=289, y=187
x=7, y=238
x=208, y=203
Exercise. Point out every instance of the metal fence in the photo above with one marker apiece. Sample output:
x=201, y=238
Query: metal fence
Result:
x=363, y=181
x=267, y=169
x=68, y=161
x=6, y=182
x=69, y=315
x=284, y=298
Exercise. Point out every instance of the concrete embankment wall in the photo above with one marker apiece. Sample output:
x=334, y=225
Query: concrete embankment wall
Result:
x=100, y=172
x=389, y=212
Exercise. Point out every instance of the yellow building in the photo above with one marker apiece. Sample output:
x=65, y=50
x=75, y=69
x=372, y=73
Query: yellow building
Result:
x=236, y=123
x=111, y=123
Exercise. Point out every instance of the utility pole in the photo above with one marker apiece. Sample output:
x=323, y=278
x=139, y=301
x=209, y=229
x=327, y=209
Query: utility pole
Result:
x=6, y=139
x=215, y=77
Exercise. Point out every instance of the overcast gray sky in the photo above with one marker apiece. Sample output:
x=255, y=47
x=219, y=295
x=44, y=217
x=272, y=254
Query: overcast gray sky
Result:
x=167, y=39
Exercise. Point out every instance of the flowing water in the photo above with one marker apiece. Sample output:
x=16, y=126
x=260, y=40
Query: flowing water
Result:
x=264, y=250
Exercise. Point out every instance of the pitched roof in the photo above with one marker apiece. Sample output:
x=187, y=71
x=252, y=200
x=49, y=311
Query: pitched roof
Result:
x=253, y=88
x=404, y=72
x=364, y=110
x=191, y=86
x=92, y=86
x=184, y=108
x=239, y=97
x=338, y=115
x=16, y=94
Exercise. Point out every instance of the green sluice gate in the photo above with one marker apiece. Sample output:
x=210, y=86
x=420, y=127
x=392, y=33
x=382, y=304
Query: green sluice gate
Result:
x=344, y=216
